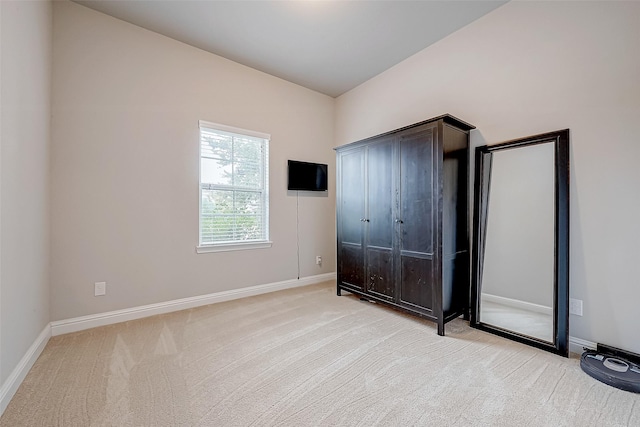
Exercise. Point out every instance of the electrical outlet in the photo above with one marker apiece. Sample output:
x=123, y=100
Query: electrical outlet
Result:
x=100, y=288
x=318, y=260
x=575, y=306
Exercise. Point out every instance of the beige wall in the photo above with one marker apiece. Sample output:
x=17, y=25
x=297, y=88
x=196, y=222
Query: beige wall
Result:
x=25, y=86
x=126, y=105
x=528, y=68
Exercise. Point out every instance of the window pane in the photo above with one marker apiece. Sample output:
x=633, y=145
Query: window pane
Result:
x=249, y=224
x=247, y=174
x=214, y=145
x=248, y=203
x=247, y=148
x=217, y=216
x=216, y=171
x=220, y=231
x=218, y=201
x=248, y=162
x=231, y=216
x=249, y=227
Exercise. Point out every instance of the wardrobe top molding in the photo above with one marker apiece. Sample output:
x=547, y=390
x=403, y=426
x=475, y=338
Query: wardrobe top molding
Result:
x=446, y=118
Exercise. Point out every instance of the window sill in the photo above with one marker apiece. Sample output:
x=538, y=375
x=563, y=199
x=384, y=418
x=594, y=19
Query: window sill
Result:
x=233, y=247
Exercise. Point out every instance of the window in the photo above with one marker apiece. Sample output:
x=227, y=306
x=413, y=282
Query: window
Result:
x=234, y=184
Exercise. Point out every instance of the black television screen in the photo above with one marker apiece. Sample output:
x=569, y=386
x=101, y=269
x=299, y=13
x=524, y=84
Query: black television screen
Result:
x=307, y=176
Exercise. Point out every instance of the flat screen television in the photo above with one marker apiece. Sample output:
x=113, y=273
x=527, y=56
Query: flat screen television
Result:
x=307, y=176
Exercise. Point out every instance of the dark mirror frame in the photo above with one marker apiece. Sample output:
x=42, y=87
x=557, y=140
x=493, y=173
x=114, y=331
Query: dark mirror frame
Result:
x=483, y=162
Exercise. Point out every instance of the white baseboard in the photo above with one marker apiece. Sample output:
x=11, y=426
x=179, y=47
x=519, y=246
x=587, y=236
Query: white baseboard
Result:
x=66, y=326
x=10, y=386
x=523, y=305
x=577, y=345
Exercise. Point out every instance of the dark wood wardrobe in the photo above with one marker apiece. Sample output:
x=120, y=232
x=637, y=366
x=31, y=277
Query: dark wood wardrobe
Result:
x=402, y=219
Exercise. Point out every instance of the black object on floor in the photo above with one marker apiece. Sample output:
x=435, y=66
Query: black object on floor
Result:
x=612, y=370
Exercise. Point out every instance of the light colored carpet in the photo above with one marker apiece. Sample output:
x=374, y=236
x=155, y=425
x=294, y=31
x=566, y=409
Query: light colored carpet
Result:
x=306, y=357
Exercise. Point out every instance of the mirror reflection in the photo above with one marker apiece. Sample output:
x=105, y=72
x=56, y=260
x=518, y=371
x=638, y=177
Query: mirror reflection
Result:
x=517, y=292
x=520, y=281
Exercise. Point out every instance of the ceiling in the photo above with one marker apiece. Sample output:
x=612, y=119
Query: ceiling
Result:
x=327, y=46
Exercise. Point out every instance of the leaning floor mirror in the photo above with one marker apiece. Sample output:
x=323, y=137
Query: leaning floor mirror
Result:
x=520, y=286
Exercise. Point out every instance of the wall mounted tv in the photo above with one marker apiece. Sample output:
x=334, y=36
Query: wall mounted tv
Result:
x=307, y=176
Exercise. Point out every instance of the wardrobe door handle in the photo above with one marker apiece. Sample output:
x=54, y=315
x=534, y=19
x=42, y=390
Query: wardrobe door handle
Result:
x=399, y=221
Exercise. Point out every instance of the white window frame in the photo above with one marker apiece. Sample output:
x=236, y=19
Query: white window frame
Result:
x=234, y=245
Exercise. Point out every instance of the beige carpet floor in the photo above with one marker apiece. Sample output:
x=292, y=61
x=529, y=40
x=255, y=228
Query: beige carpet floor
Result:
x=305, y=357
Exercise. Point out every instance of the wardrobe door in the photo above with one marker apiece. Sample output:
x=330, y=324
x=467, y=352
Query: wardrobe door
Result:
x=379, y=221
x=416, y=219
x=351, y=217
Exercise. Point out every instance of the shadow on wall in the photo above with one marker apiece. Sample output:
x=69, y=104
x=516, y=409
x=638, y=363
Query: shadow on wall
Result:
x=302, y=193
x=476, y=139
x=577, y=264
